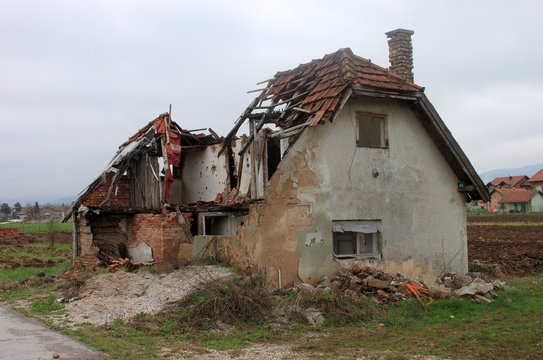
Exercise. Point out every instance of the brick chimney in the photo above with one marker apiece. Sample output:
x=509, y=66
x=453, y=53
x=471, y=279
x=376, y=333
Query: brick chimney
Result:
x=400, y=53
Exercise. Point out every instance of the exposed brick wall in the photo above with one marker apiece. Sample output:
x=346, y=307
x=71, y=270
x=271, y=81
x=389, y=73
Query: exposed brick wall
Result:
x=99, y=195
x=162, y=233
x=401, y=53
x=12, y=234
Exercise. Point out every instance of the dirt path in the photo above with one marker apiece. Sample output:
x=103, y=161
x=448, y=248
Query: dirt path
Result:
x=24, y=339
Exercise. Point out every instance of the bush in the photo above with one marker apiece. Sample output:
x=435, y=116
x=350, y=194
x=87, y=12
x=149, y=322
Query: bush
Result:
x=233, y=302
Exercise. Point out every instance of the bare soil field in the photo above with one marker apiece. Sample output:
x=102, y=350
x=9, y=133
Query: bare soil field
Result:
x=507, y=218
x=517, y=249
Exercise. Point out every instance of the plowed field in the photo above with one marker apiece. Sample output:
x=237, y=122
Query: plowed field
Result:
x=517, y=248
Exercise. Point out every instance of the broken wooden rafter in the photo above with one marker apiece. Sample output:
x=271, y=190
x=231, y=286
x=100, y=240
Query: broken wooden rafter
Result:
x=265, y=81
x=286, y=132
x=256, y=90
x=240, y=121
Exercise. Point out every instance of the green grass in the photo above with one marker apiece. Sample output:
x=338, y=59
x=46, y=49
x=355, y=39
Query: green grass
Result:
x=118, y=340
x=23, y=273
x=42, y=251
x=30, y=228
x=46, y=306
x=509, y=328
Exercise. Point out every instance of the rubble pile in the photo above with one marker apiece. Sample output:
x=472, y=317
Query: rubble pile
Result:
x=359, y=281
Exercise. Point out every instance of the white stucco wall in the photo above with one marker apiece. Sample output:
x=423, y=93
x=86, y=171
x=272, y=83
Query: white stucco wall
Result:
x=415, y=195
x=204, y=175
x=537, y=203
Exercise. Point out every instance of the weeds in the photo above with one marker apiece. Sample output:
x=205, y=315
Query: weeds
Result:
x=46, y=306
x=339, y=308
x=232, y=302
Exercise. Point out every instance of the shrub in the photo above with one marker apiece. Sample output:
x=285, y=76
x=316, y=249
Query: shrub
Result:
x=233, y=301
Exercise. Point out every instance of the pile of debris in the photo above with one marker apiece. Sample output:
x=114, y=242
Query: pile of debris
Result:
x=359, y=280
x=123, y=295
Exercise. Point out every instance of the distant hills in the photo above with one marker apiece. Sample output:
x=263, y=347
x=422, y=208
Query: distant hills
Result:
x=528, y=170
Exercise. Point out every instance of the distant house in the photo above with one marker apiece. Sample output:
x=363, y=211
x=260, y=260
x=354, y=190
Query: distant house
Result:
x=536, y=181
x=507, y=182
x=496, y=196
x=522, y=200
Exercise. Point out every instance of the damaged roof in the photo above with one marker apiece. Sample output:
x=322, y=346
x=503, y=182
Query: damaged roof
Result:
x=161, y=137
x=315, y=92
x=324, y=80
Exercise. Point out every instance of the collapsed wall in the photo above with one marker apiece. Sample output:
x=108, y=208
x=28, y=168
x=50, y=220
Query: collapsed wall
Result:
x=144, y=238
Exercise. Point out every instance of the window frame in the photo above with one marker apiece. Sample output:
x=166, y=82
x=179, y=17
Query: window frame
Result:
x=377, y=251
x=384, y=138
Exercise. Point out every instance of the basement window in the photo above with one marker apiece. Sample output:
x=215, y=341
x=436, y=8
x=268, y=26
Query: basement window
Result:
x=357, y=239
x=371, y=130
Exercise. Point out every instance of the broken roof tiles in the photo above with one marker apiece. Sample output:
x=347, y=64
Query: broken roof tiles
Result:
x=324, y=80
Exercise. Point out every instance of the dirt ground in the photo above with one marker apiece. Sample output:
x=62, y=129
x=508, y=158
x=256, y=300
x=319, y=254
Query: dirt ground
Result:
x=527, y=218
x=122, y=295
x=518, y=249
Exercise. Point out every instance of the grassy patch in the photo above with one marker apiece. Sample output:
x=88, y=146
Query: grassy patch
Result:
x=23, y=273
x=46, y=306
x=31, y=228
x=510, y=327
x=118, y=340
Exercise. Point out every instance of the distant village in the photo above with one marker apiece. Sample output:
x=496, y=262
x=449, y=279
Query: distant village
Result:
x=513, y=194
x=29, y=212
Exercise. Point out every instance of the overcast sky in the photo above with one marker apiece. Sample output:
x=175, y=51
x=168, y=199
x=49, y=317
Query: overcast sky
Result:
x=77, y=78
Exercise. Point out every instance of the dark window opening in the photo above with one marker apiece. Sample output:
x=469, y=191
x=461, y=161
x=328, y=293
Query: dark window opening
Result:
x=220, y=223
x=371, y=131
x=217, y=225
x=192, y=223
x=274, y=156
x=231, y=168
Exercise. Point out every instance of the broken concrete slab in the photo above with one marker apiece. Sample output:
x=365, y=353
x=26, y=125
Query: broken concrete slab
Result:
x=477, y=286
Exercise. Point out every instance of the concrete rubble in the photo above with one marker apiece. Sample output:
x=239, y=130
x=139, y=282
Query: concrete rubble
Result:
x=361, y=281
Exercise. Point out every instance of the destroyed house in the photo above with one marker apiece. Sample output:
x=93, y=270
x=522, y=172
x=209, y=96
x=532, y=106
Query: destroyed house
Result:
x=345, y=161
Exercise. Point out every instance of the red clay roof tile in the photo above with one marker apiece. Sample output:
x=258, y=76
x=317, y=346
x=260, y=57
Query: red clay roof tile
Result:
x=517, y=195
x=325, y=80
x=509, y=180
x=538, y=176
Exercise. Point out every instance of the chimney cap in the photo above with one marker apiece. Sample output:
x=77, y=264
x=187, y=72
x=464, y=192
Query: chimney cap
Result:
x=399, y=31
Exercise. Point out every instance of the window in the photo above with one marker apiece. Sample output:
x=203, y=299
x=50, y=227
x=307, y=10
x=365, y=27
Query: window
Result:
x=220, y=223
x=371, y=130
x=357, y=239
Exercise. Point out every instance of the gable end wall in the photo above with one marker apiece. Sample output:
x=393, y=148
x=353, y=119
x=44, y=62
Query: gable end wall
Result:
x=325, y=177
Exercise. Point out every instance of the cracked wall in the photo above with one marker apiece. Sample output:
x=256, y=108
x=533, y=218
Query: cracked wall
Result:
x=325, y=177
